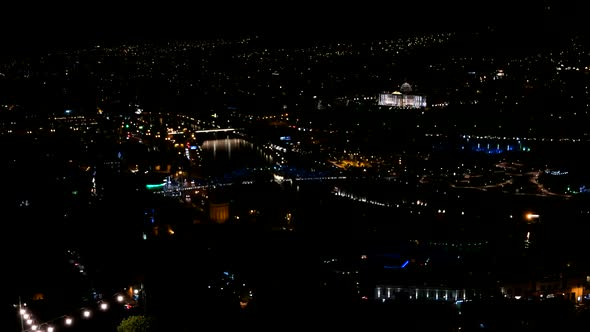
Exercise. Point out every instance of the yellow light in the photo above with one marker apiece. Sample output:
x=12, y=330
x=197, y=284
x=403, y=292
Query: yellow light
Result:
x=531, y=216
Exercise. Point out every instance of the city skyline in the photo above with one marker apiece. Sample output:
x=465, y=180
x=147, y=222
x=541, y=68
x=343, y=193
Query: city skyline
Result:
x=305, y=170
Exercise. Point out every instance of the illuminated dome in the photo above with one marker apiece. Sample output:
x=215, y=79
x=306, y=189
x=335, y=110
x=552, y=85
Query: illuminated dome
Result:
x=406, y=88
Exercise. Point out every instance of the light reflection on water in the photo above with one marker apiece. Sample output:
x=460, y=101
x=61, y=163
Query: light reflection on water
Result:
x=231, y=154
x=225, y=146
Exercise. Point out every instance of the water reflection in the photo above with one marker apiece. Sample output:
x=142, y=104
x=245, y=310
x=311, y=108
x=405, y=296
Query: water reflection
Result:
x=225, y=146
x=232, y=154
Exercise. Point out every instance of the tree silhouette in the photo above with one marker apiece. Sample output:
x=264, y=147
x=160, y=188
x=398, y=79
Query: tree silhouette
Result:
x=137, y=324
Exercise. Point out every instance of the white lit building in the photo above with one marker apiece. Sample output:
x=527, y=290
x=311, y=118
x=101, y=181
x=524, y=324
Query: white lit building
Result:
x=403, y=99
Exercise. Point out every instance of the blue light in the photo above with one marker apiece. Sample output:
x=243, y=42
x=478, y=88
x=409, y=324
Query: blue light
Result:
x=405, y=264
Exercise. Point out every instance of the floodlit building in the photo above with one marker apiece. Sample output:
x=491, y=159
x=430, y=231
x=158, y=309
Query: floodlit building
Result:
x=219, y=212
x=402, y=99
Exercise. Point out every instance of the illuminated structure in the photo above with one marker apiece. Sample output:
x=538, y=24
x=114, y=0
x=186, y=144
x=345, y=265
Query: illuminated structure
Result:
x=419, y=292
x=29, y=322
x=402, y=98
x=219, y=212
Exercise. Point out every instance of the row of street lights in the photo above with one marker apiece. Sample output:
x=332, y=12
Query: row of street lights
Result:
x=29, y=323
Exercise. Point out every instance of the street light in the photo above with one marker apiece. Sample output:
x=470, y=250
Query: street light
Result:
x=21, y=313
x=45, y=328
x=104, y=306
x=533, y=216
x=86, y=313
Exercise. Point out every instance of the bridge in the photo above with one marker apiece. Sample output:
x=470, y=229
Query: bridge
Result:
x=180, y=132
x=214, y=130
x=167, y=189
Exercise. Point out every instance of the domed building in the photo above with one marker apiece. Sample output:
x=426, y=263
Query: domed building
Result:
x=402, y=99
x=405, y=88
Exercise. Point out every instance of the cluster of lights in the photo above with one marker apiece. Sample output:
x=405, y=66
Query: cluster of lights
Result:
x=29, y=323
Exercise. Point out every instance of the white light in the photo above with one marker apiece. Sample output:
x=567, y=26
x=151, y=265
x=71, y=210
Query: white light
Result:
x=50, y=329
x=86, y=313
x=29, y=321
x=69, y=321
x=34, y=327
x=120, y=298
x=104, y=306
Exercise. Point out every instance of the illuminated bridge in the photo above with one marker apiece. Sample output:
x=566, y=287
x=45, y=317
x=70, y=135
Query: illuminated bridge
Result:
x=180, y=132
x=214, y=130
x=167, y=189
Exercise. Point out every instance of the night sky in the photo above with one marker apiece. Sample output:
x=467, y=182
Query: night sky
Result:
x=54, y=25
